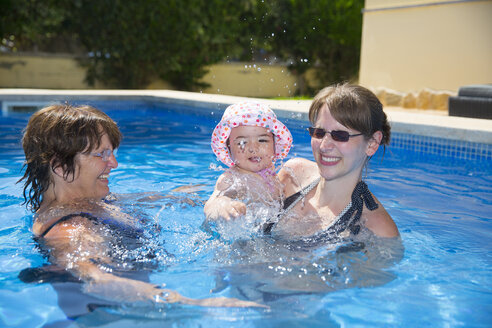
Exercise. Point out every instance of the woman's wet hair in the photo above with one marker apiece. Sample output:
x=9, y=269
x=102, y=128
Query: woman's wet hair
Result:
x=52, y=139
x=355, y=107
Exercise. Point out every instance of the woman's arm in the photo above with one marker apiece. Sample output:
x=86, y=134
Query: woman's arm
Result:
x=75, y=247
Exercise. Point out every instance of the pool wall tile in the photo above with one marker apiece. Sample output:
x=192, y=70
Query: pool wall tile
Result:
x=442, y=147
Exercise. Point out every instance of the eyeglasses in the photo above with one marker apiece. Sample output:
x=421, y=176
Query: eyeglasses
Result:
x=336, y=135
x=105, y=154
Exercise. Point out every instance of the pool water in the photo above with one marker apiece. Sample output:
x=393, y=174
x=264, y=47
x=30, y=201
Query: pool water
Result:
x=441, y=205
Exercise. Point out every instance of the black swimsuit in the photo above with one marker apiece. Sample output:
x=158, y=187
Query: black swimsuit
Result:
x=118, y=226
x=348, y=220
x=70, y=291
x=292, y=198
x=66, y=218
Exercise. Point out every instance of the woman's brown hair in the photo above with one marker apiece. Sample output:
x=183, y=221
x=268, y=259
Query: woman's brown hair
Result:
x=52, y=139
x=354, y=107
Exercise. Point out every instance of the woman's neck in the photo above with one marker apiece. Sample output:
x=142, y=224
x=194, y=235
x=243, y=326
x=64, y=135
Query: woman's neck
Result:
x=59, y=197
x=337, y=193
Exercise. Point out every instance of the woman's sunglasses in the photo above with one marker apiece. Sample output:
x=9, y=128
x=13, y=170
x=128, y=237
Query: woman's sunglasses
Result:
x=336, y=135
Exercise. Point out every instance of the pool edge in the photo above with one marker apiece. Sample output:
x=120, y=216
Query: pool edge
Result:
x=402, y=121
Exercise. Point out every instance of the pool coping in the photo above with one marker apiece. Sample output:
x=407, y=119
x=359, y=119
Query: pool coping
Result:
x=418, y=122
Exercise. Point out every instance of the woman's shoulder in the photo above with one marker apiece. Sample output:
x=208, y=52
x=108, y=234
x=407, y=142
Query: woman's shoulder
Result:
x=61, y=226
x=380, y=222
x=51, y=218
x=299, y=163
x=298, y=171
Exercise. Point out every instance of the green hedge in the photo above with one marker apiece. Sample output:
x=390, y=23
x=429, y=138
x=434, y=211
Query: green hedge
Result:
x=127, y=44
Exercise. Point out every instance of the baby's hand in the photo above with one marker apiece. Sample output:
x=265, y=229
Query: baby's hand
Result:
x=224, y=208
x=233, y=209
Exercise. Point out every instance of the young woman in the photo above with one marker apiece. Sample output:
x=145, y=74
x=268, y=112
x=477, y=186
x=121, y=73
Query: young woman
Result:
x=327, y=199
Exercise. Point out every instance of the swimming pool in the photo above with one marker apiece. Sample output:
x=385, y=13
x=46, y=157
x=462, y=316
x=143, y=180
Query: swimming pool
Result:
x=440, y=199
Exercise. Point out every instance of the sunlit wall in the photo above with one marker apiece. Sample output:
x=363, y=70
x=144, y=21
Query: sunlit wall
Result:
x=409, y=45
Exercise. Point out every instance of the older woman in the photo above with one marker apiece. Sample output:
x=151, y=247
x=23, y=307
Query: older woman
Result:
x=69, y=158
x=327, y=199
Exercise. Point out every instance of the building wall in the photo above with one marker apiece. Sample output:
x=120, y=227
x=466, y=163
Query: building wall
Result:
x=64, y=72
x=410, y=45
x=250, y=80
x=41, y=71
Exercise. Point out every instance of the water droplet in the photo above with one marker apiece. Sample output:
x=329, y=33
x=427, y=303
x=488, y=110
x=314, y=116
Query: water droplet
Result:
x=273, y=34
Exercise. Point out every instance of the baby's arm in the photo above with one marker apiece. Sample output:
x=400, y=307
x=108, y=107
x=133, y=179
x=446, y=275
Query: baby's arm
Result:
x=222, y=205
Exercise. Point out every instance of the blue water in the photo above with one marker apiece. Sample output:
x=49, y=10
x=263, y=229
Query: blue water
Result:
x=441, y=205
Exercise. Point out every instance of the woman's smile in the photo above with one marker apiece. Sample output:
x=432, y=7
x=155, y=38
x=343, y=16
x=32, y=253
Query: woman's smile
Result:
x=104, y=176
x=329, y=160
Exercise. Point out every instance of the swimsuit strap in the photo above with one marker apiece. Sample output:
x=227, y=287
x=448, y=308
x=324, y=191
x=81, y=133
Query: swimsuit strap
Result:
x=290, y=201
x=66, y=218
x=360, y=196
x=301, y=195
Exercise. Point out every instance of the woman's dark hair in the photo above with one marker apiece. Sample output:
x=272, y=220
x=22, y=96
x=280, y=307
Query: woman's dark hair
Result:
x=354, y=107
x=52, y=139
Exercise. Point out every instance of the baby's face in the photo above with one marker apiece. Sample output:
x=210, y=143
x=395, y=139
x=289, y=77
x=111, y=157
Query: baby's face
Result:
x=252, y=147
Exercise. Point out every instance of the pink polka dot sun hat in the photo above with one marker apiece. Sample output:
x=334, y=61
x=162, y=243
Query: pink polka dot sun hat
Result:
x=249, y=114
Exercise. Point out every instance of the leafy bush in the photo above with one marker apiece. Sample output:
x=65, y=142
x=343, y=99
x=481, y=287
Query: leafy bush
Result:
x=324, y=35
x=127, y=44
